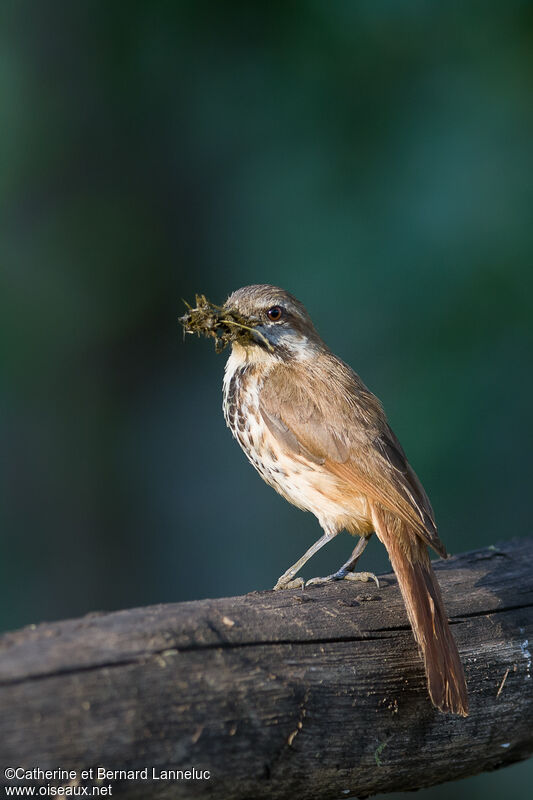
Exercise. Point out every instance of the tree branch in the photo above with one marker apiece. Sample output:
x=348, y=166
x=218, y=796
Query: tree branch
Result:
x=297, y=693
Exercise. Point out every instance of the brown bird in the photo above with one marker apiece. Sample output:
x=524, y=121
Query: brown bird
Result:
x=319, y=437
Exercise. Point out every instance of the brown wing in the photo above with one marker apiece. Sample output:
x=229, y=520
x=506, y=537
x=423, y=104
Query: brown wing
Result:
x=390, y=448
x=346, y=430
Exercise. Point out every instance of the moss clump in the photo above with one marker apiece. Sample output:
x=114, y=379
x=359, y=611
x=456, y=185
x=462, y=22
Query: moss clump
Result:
x=220, y=324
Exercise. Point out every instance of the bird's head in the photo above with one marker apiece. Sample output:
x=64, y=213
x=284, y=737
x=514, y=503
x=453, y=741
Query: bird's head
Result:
x=277, y=324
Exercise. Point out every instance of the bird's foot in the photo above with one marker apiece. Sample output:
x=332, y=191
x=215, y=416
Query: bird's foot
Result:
x=288, y=582
x=343, y=575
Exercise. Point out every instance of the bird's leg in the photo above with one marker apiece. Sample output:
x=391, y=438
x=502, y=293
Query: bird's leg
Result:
x=287, y=580
x=346, y=571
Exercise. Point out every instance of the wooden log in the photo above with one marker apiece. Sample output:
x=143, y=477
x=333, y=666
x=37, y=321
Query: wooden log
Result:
x=314, y=693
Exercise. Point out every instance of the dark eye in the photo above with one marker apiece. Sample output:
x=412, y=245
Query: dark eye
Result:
x=275, y=313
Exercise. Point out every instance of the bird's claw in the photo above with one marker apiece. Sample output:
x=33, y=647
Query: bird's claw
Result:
x=348, y=576
x=296, y=583
x=362, y=576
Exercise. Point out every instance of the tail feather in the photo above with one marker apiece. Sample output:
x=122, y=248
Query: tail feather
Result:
x=425, y=608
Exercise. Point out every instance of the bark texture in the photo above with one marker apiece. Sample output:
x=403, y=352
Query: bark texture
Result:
x=310, y=694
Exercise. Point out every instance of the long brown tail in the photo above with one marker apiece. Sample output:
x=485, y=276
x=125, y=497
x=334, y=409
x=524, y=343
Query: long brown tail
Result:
x=421, y=594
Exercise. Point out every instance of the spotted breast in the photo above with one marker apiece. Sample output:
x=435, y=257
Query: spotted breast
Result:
x=298, y=479
x=241, y=412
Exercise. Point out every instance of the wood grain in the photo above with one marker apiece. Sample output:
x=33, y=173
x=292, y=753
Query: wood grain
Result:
x=315, y=694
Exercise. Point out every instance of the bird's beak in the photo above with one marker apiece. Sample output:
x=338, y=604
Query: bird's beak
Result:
x=247, y=328
x=261, y=335
x=223, y=324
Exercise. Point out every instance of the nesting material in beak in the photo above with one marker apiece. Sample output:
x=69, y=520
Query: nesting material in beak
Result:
x=222, y=325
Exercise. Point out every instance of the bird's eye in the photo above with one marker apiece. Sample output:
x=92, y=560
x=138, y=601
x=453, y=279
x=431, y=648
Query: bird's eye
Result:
x=275, y=313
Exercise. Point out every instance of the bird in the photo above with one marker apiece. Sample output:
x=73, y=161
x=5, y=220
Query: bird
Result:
x=319, y=437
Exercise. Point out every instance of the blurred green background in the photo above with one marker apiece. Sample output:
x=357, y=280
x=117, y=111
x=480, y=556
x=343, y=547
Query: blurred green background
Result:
x=374, y=158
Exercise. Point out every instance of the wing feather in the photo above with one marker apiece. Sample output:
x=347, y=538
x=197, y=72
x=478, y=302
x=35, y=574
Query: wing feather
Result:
x=348, y=433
